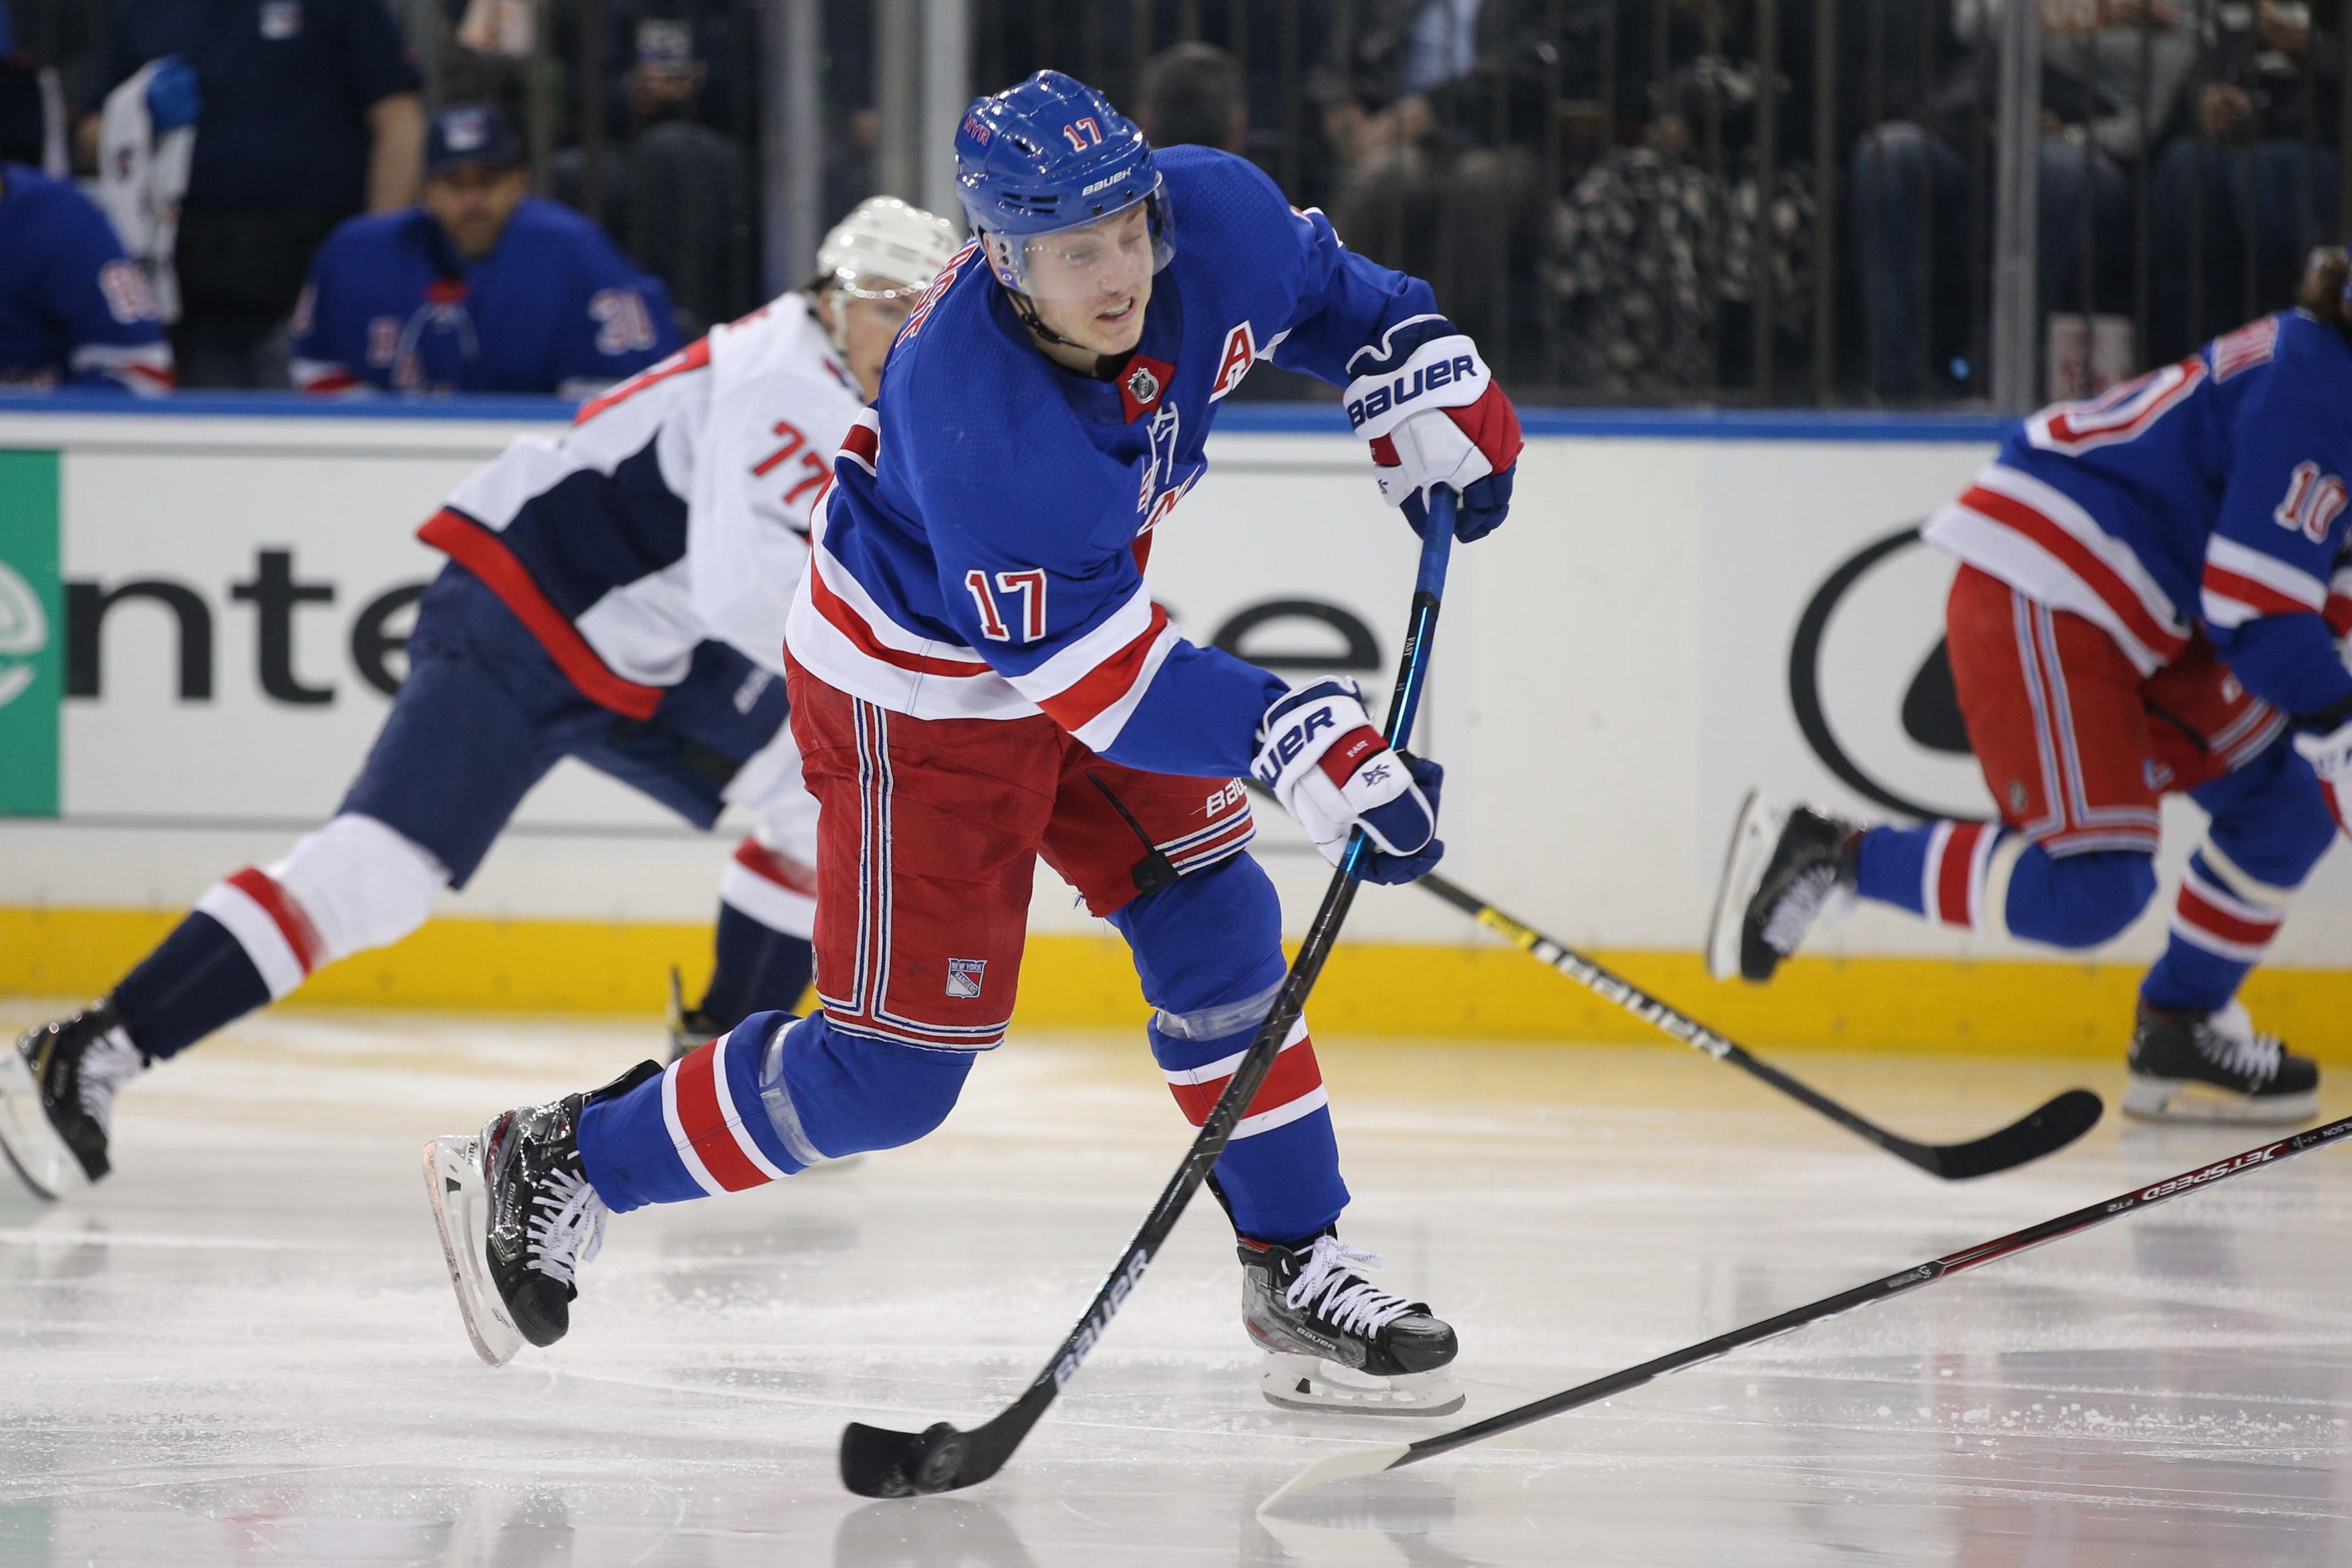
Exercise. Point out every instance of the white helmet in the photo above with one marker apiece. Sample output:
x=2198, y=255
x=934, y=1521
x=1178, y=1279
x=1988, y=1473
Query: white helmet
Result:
x=887, y=241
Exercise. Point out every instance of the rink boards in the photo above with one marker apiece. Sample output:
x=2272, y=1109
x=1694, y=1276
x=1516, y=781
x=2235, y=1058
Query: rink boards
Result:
x=201, y=614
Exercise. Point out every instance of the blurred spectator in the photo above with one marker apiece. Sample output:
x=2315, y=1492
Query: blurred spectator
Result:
x=74, y=311
x=2254, y=181
x=23, y=119
x=1440, y=184
x=1914, y=222
x=1192, y=93
x=1659, y=248
x=665, y=60
x=306, y=111
x=673, y=192
x=481, y=288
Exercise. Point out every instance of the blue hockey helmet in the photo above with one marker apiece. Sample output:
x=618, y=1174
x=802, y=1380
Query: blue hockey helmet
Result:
x=1047, y=154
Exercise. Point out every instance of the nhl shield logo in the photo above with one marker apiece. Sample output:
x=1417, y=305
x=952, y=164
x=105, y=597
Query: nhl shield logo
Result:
x=964, y=977
x=1142, y=385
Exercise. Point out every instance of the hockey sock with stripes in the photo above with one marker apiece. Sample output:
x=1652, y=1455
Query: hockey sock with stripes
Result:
x=2223, y=923
x=770, y=1097
x=2268, y=825
x=1280, y=1173
x=1208, y=950
x=1981, y=877
x=758, y=969
x=245, y=944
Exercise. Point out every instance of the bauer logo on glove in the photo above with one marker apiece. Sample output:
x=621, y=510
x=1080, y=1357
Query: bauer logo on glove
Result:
x=1319, y=754
x=1430, y=409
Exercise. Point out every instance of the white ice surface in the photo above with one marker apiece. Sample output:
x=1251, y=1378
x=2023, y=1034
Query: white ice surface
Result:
x=241, y=1348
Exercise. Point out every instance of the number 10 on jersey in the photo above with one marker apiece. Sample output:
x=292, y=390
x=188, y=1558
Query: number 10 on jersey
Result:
x=1028, y=586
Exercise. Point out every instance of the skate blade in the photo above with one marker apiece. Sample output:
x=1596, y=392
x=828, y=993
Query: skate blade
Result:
x=2181, y=1100
x=454, y=1184
x=1305, y=1383
x=1754, y=833
x=41, y=1159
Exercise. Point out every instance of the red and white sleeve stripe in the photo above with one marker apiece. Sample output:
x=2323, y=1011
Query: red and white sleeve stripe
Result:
x=1093, y=684
x=2241, y=584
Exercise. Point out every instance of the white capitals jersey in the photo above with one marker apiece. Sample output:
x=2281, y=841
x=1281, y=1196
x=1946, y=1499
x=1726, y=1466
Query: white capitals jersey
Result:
x=676, y=509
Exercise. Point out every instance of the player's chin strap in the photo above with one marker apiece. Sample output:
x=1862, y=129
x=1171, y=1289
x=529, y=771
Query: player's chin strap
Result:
x=1106, y=367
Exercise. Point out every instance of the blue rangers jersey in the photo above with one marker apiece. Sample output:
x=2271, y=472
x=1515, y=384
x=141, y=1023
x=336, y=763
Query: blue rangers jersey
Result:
x=552, y=309
x=2210, y=492
x=980, y=553
x=74, y=310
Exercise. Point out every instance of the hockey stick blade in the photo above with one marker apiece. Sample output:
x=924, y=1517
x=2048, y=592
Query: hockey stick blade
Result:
x=2039, y=1132
x=879, y=1463
x=2043, y=1132
x=1366, y=1461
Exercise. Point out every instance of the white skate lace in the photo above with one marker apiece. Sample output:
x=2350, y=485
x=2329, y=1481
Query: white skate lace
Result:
x=573, y=1230
x=1351, y=1303
x=2230, y=1042
x=1798, y=907
x=107, y=1064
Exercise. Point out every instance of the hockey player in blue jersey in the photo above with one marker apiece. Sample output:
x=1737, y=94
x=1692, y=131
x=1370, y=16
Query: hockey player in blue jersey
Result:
x=481, y=287
x=616, y=595
x=2140, y=610
x=979, y=679
x=75, y=311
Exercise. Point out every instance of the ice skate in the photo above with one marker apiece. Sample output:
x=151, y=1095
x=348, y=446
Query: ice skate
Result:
x=57, y=1099
x=1787, y=864
x=2216, y=1066
x=518, y=1219
x=1336, y=1341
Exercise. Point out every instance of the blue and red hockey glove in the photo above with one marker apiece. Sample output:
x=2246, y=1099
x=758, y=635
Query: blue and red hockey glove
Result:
x=1319, y=754
x=1434, y=416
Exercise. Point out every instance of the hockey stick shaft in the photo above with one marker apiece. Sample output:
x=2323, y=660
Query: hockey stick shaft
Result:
x=1878, y=1290
x=876, y=1463
x=1680, y=1025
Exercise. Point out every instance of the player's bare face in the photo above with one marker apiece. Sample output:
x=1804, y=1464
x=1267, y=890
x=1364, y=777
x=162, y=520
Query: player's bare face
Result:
x=868, y=326
x=472, y=202
x=1090, y=284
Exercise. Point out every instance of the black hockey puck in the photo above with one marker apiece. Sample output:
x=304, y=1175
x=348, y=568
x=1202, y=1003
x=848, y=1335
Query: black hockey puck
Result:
x=939, y=1455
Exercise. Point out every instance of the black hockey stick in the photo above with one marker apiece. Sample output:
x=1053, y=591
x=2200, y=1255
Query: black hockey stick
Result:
x=879, y=1463
x=1368, y=1461
x=2040, y=1132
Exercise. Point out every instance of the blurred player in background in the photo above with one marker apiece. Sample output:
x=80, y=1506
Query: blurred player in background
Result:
x=617, y=594
x=2142, y=609
x=74, y=310
x=480, y=287
x=979, y=679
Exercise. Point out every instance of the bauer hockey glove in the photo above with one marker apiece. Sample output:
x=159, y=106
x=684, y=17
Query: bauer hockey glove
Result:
x=1319, y=754
x=1425, y=401
x=2328, y=747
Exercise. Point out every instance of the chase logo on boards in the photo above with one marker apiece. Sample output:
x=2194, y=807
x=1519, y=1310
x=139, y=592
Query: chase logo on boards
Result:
x=24, y=635
x=1870, y=681
x=29, y=593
